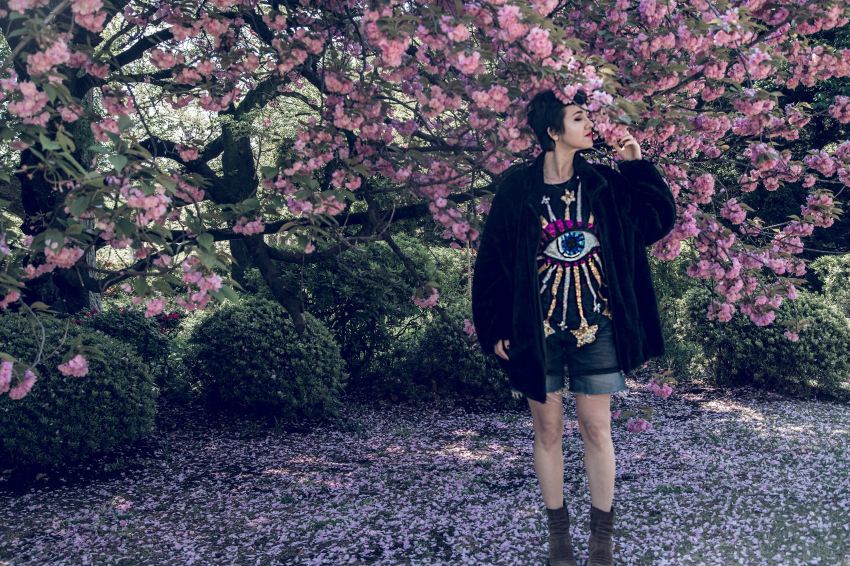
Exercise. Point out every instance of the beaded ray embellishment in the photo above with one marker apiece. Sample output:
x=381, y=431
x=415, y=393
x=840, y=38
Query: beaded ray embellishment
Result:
x=571, y=252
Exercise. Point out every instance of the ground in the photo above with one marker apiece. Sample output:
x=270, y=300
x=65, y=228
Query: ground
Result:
x=723, y=477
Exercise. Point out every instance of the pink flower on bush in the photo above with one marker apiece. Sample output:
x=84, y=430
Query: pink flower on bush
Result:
x=10, y=298
x=468, y=327
x=64, y=257
x=24, y=5
x=5, y=376
x=85, y=14
x=840, y=110
x=187, y=153
x=733, y=211
x=509, y=23
x=468, y=64
x=43, y=61
x=77, y=366
x=427, y=302
x=23, y=388
x=243, y=226
x=392, y=50
x=32, y=101
x=154, y=307
x=538, y=42
x=791, y=335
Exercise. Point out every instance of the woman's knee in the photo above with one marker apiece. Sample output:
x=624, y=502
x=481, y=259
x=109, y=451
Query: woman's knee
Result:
x=548, y=420
x=550, y=434
x=595, y=431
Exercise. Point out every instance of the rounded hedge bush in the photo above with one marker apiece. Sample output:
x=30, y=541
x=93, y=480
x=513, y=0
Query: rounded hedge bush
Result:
x=142, y=334
x=66, y=418
x=436, y=360
x=248, y=355
x=739, y=352
x=159, y=350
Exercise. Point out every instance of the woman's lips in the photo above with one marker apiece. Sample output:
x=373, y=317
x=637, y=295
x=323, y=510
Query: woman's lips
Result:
x=589, y=135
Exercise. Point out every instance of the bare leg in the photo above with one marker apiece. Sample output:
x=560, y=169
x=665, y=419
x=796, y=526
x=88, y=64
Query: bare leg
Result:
x=548, y=419
x=594, y=422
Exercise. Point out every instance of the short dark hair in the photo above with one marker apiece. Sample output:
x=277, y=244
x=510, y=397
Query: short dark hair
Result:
x=546, y=111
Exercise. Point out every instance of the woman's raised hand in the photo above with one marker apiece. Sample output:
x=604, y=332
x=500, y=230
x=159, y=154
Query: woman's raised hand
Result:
x=628, y=147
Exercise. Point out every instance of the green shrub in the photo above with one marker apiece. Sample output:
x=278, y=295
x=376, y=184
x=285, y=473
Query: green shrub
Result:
x=435, y=360
x=131, y=327
x=248, y=356
x=834, y=273
x=738, y=352
x=66, y=418
x=671, y=281
x=152, y=338
x=364, y=293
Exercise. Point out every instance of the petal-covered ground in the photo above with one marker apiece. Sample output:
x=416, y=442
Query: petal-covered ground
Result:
x=722, y=478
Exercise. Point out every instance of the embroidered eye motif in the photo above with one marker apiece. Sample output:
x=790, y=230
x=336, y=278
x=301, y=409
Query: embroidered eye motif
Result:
x=572, y=245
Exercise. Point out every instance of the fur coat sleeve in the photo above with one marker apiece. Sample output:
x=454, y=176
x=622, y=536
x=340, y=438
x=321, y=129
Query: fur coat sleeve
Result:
x=645, y=197
x=492, y=280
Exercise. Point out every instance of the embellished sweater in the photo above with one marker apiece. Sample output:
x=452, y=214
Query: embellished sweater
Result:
x=573, y=292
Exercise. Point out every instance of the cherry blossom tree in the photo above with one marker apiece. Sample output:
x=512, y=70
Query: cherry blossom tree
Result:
x=295, y=130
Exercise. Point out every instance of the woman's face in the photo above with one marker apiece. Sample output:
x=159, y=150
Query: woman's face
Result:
x=578, y=129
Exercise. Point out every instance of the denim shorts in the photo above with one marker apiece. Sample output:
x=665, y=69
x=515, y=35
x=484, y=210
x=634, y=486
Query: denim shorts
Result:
x=589, y=370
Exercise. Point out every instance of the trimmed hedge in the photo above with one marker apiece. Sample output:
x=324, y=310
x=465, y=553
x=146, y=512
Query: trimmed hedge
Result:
x=434, y=360
x=248, y=356
x=65, y=418
x=738, y=352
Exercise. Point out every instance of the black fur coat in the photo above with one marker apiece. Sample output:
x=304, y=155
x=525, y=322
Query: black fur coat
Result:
x=634, y=208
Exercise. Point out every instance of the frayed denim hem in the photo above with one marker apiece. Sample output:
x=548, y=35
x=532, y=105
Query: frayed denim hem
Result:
x=622, y=393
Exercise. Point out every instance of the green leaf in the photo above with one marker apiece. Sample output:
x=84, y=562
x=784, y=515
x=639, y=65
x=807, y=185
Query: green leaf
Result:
x=65, y=141
x=227, y=292
x=209, y=260
x=74, y=229
x=98, y=148
x=268, y=172
x=166, y=181
x=205, y=240
x=50, y=92
x=80, y=205
x=124, y=122
x=117, y=161
x=47, y=143
x=51, y=236
x=250, y=204
x=163, y=286
x=140, y=286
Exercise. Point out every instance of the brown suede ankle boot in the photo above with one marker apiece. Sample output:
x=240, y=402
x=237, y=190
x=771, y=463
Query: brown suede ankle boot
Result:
x=560, y=541
x=600, y=545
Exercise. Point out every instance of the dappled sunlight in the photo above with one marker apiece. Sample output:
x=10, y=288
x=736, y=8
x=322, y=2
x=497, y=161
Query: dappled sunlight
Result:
x=743, y=412
x=463, y=452
x=440, y=485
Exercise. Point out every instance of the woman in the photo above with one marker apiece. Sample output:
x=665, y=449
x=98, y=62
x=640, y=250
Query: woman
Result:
x=562, y=282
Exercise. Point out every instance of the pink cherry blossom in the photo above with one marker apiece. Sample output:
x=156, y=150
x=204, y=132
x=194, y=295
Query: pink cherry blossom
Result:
x=5, y=375
x=10, y=298
x=23, y=387
x=77, y=366
x=154, y=306
x=638, y=424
